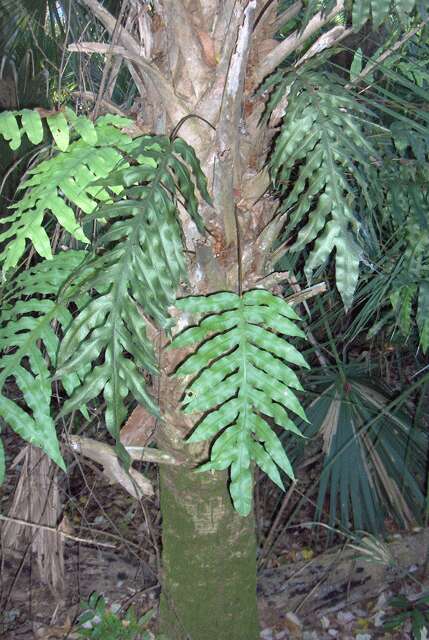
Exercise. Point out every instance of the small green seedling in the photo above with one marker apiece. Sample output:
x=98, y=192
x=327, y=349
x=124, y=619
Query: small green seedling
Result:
x=415, y=611
x=98, y=621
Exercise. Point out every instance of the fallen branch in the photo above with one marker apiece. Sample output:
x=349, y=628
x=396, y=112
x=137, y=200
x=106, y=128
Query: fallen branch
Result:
x=57, y=530
x=132, y=480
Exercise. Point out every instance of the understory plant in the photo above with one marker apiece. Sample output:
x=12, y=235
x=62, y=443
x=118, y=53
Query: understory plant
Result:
x=102, y=622
x=415, y=612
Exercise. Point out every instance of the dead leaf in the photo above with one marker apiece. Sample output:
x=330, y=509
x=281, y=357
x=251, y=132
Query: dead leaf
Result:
x=58, y=631
x=293, y=625
x=66, y=526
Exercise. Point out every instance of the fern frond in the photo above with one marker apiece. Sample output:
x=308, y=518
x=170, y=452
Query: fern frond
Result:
x=423, y=315
x=134, y=272
x=405, y=215
x=322, y=164
x=240, y=375
x=29, y=343
x=14, y=124
x=61, y=183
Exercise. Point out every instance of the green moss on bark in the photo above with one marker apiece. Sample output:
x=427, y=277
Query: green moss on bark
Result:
x=209, y=560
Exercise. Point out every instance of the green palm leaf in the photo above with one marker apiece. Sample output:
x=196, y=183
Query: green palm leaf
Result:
x=373, y=461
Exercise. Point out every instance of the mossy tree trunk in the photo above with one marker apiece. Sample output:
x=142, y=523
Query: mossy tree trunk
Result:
x=208, y=550
x=209, y=560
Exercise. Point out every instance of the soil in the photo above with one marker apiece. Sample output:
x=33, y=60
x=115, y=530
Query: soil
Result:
x=126, y=572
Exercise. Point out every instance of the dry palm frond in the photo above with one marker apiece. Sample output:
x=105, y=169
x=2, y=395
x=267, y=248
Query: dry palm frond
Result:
x=329, y=426
x=37, y=500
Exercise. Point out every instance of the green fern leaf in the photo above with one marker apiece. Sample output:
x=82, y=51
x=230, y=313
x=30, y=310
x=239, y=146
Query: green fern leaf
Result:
x=240, y=374
x=9, y=129
x=83, y=126
x=32, y=124
x=135, y=271
x=423, y=315
x=402, y=302
x=29, y=343
x=405, y=210
x=60, y=130
x=356, y=65
x=321, y=145
x=62, y=182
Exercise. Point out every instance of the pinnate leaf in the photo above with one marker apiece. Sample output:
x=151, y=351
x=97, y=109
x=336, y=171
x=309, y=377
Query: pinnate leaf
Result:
x=29, y=342
x=241, y=376
x=322, y=160
x=134, y=273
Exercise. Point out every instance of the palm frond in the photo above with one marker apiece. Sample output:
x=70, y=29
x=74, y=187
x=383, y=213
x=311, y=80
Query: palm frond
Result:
x=374, y=461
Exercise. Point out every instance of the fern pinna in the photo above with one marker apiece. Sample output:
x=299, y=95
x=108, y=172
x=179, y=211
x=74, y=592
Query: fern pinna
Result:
x=241, y=378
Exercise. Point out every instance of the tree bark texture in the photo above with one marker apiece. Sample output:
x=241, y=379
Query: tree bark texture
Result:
x=209, y=560
x=204, y=59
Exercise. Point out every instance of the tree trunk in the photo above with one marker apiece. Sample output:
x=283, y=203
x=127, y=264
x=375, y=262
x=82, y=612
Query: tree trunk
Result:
x=208, y=550
x=209, y=560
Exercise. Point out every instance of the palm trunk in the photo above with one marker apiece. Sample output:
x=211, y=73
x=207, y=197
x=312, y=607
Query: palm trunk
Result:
x=209, y=560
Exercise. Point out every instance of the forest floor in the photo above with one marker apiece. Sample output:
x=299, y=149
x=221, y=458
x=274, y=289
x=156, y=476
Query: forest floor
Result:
x=126, y=571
